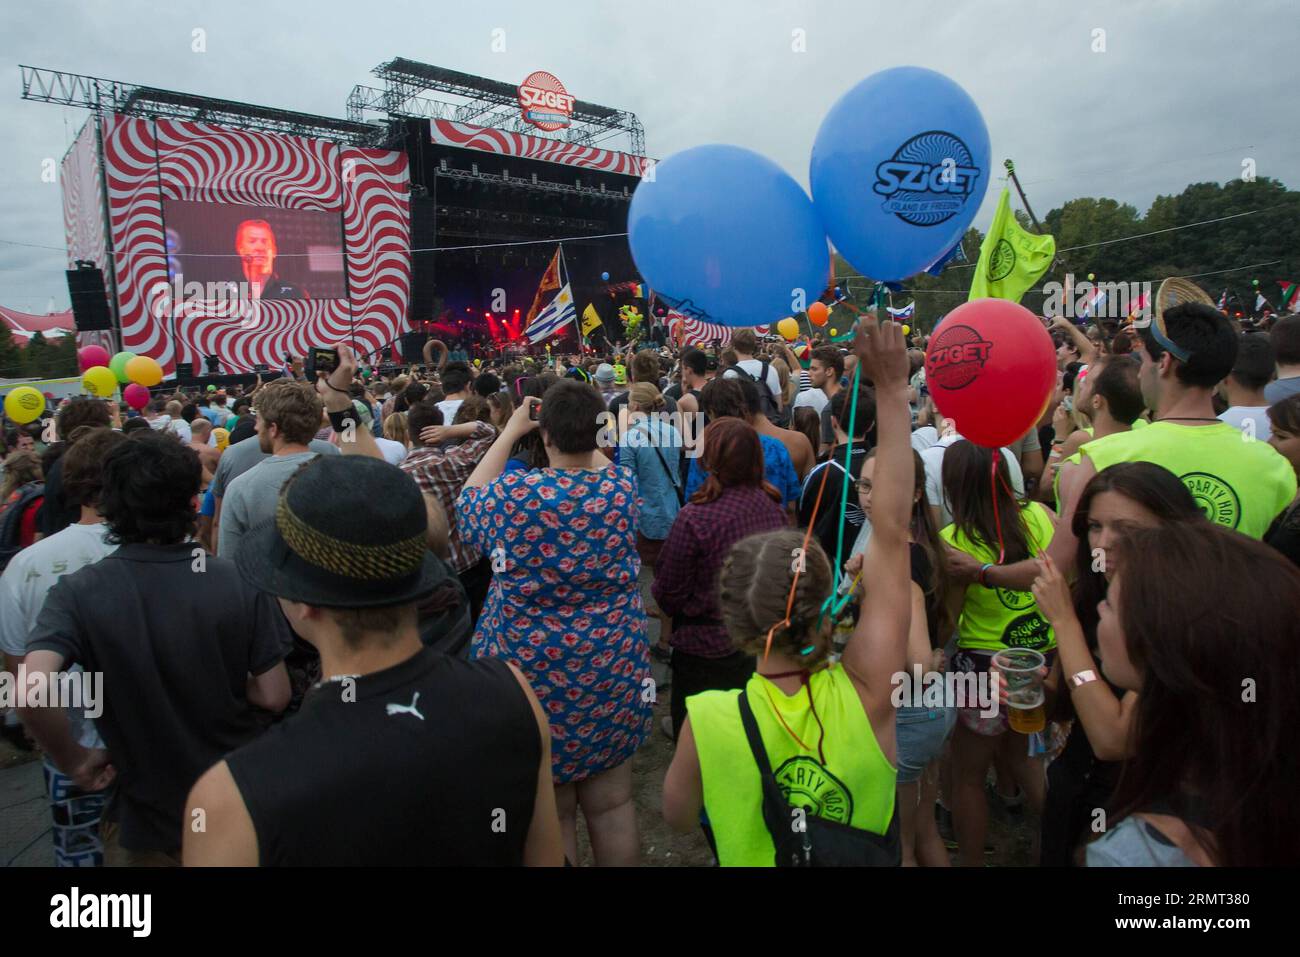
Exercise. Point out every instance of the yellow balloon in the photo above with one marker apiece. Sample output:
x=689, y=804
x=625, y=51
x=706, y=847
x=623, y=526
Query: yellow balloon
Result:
x=24, y=404
x=788, y=329
x=906, y=329
x=142, y=370
x=834, y=333
x=99, y=381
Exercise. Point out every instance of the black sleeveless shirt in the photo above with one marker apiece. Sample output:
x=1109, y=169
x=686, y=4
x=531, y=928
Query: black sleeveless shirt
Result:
x=369, y=774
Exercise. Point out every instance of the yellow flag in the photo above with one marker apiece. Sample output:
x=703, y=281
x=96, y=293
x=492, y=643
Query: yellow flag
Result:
x=589, y=319
x=1011, y=260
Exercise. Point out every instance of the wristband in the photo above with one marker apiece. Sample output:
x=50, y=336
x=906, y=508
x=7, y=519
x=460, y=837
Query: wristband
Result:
x=339, y=421
x=983, y=572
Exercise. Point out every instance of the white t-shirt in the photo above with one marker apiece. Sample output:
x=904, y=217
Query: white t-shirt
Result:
x=814, y=399
x=28, y=579
x=754, y=368
x=933, y=460
x=1238, y=415
x=178, y=427
x=449, y=409
x=394, y=451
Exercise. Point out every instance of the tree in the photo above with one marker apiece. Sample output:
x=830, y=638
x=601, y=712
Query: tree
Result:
x=11, y=355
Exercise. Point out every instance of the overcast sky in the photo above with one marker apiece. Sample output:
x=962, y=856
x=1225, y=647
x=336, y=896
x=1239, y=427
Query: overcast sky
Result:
x=1184, y=91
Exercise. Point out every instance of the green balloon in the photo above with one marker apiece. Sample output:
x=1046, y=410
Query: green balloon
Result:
x=1254, y=282
x=118, y=366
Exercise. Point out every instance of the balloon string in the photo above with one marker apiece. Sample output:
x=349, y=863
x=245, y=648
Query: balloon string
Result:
x=997, y=521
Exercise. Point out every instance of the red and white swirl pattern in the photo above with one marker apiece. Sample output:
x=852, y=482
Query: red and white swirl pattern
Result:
x=83, y=201
x=192, y=161
x=469, y=136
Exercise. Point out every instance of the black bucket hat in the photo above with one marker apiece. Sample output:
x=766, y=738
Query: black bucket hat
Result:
x=349, y=532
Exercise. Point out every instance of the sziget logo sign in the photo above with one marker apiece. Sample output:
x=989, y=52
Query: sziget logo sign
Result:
x=956, y=357
x=928, y=180
x=545, y=102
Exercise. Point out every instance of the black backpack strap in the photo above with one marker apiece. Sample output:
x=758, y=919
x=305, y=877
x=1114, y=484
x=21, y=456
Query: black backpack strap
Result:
x=777, y=816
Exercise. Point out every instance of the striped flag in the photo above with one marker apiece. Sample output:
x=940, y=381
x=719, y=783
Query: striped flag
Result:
x=1290, y=296
x=554, y=317
x=1092, y=305
x=905, y=312
x=1223, y=301
x=695, y=332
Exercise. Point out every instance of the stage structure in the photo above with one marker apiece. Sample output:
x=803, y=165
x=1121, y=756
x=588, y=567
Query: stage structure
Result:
x=251, y=233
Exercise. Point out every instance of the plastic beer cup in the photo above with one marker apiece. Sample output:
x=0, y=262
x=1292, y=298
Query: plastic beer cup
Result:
x=1019, y=668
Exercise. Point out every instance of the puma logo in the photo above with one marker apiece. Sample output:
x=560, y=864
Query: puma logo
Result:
x=406, y=708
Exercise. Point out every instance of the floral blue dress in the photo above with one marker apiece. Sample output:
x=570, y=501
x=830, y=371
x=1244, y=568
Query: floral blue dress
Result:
x=564, y=606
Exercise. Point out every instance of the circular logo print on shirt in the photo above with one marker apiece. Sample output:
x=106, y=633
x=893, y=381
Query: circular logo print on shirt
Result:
x=1002, y=261
x=1216, y=498
x=1015, y=600
x=1027, y=631
x=808, y=785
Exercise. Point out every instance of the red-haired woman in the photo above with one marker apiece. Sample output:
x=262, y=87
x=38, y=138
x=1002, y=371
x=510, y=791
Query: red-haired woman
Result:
x=734, y=502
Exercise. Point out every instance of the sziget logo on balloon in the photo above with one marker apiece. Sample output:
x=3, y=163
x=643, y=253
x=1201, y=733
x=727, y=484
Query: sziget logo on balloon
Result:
x=957, y=357
x=545, y=101
x=928, y=180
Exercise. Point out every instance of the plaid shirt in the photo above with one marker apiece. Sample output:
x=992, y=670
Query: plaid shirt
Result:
x=686, y=576
x=443, y=472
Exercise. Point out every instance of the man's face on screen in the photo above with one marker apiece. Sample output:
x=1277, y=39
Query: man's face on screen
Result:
x=256, y=247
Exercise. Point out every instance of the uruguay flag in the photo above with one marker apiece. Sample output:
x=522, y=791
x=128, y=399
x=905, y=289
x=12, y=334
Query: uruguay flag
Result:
x=554, y=317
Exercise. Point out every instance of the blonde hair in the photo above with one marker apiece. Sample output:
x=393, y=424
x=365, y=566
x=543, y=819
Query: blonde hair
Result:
x=21, y=467
x=397, y=430
x=789, y=386
x=646, y=397
x=754, y=587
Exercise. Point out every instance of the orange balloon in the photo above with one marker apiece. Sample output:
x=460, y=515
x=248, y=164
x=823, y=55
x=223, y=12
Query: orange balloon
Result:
x=817, y=314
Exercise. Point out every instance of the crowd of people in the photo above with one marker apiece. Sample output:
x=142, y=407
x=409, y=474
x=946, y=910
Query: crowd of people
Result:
x=416, y=617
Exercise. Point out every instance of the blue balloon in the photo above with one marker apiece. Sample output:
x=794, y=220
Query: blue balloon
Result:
x=899, y=169
x=605, y=276
x=727, y=236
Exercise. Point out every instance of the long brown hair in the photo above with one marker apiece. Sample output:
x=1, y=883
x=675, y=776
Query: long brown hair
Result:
x=1154, y=488
x=733, y=456
x=975, y=498
x=1211, y=620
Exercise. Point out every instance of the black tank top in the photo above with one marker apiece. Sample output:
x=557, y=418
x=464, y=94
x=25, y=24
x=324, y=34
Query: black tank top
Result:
x=446, y=778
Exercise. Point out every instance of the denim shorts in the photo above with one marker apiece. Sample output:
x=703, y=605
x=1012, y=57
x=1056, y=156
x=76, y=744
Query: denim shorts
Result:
x=921, y=734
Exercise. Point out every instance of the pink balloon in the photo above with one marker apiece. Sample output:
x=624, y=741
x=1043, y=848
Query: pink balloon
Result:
x=136, y=396
x=91, y=356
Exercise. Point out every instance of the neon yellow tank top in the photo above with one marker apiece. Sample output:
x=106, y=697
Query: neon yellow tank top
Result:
x=1237, y=480
x=854, y=787
x=997, y=618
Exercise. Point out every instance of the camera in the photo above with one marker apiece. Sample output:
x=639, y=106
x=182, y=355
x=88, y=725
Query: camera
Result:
x=320, y=361
x=535, y=411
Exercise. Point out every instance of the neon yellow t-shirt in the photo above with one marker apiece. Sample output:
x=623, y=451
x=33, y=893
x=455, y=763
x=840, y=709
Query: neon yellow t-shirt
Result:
x=855, y=786
x=1237, y=480
x=996, y=618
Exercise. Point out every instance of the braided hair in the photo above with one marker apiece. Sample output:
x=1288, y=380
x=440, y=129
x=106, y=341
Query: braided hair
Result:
x=755, y=588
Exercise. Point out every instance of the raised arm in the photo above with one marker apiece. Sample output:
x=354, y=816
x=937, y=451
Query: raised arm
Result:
x=494, y=462
x=878, y=648
x=334, y=392
x=1087, y=351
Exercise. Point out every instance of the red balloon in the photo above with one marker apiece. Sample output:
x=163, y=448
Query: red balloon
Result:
x=136, y=396
x=817, y=314
x=991, y=368
x=91, y=356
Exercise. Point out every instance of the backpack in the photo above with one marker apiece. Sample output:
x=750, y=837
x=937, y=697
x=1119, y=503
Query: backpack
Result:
x=771, y=407
x=11, y=519
x=808, y=840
